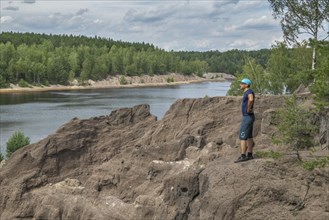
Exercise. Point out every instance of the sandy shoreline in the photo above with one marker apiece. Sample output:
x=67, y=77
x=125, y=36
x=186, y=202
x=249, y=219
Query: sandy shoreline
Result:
x=113, y=82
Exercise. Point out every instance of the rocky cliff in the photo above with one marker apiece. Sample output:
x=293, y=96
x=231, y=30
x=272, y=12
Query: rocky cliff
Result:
x=129, y=165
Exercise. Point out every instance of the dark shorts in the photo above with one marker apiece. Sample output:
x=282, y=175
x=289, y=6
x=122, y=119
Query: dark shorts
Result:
x=246, y=127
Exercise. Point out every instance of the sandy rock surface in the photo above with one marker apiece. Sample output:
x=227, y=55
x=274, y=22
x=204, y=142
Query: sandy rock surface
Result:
x=129, y=165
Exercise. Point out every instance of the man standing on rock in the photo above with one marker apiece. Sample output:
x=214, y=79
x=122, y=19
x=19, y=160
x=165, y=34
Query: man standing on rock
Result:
x=248, y=118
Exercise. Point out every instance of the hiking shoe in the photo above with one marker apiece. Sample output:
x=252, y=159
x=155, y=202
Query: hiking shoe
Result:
x=241, y=159
x=250, y=157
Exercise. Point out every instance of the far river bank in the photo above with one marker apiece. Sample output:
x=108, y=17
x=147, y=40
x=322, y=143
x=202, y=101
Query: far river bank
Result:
x=131, y=81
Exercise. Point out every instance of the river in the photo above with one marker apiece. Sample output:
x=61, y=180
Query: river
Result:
x=38, y=114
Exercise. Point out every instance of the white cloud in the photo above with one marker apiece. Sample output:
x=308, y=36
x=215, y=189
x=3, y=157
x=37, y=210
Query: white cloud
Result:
x=171, y=25
x=262, y=23
x=97, y=21
x=247, y=43
x=202, y=43
x=275, y=39
x=225, y=4
x=148, y=16
x=6, y=19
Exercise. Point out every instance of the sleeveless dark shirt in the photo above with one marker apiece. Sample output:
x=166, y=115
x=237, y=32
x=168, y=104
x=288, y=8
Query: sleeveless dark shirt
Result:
x=245, y=103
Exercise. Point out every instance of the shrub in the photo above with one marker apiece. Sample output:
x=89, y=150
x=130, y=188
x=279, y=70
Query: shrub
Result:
x=46, y=83
x=170, y=79
x=294, y=128
x=123, y=80
x=3, y=83
x=16, y=141
x=1, y=157
x=23, y=83
x=316, y=163
x=320, y=86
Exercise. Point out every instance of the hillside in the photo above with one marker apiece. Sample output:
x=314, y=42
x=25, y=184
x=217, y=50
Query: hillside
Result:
x=129, y=165
x=31, y=59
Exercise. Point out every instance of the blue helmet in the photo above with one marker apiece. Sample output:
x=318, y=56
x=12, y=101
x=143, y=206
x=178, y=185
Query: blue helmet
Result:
x=246, y=81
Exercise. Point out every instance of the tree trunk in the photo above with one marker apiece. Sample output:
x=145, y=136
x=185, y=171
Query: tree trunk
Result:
x=314, y=58
x=316, y=27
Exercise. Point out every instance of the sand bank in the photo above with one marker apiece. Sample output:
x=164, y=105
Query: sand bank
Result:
x=114, y=82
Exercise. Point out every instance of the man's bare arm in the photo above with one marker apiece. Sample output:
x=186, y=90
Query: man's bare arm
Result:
x=250, y=102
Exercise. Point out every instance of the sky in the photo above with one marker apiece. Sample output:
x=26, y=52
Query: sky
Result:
x=188, y=25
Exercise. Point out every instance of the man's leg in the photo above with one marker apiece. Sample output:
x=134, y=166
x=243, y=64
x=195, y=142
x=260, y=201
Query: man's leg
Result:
x=243, y=136
x=244, y=147
x=243, y=150
x=250, y=141
x=250, y=146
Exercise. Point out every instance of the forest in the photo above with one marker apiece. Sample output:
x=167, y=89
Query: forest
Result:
x=40, y=59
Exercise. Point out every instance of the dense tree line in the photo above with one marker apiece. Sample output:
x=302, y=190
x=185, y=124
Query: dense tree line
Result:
x=58, y=59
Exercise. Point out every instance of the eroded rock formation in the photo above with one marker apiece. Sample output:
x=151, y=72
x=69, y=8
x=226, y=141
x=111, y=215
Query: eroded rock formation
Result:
x=128, y=165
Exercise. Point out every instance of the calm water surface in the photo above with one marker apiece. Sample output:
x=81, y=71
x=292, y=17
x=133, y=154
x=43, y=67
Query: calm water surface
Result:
x=39, y=114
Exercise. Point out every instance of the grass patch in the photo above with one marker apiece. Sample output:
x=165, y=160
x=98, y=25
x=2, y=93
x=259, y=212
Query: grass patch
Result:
x=268, y=154
x=316, y=163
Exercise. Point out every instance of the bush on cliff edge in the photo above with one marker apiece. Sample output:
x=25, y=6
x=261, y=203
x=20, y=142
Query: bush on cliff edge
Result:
x=16, y=141
x=295, y=128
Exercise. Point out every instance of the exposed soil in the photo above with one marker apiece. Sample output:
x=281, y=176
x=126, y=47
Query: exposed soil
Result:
x=129, y=165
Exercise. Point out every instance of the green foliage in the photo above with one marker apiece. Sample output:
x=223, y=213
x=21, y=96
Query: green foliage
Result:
x=268, y=154
x=3, y=83
x=300, y=16
x=255, y=73
x=235, y=89
x=170, y=79
x=316, y=163
x=23, y=83
x=1, y=157
x=279, y=68
x=46, y=83
x=199, y=67
x=320, y=87
x=286, y=70
x=58, y=59
x=294, y=128
x=16, y=141
x=297, y=17
x=301, y=62
x=289, y=68
x=123, y=80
